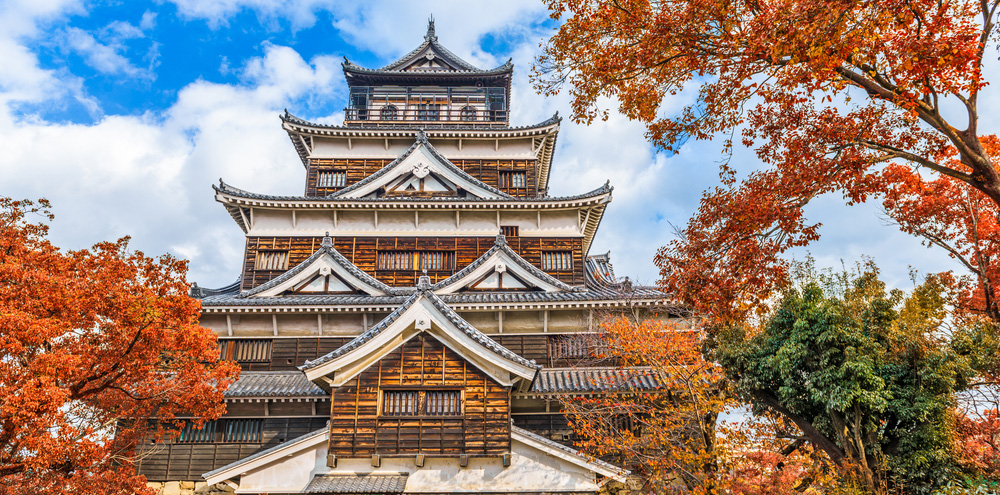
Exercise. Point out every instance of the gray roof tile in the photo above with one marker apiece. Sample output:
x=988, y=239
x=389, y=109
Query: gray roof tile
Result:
x=416, y=125
x=234, y=191
x=273, y=384
x=357, y=483
x=593, y=380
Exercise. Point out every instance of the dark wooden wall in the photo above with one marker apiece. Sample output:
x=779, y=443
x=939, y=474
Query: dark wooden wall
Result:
x=487, y=171
x=289, y=353
x=362, y=251
x=187, y=461
x=358, y=430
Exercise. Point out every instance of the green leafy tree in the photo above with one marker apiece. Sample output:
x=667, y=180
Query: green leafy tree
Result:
x=869, y=376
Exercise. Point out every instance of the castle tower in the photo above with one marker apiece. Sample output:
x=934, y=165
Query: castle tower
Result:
x=409, y=323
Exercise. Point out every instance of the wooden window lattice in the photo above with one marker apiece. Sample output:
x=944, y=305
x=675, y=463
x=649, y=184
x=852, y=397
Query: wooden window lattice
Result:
x=332, y=178
x=416, y=260
x=443, y=403
x=246, y=351
x=272, y=260
x=224, y=431
x=512, y=179
x=509, y=230
x=400, y=402
x=572, y=346
x=557, y=261
x=421, y=403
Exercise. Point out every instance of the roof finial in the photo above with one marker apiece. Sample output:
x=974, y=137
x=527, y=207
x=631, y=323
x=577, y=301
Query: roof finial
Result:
x=421, y=136
x=501, y=239
x=431, y=35
x=327, y=241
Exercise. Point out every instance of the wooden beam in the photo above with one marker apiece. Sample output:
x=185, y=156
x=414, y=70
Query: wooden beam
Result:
x=274, y=322
x=319, y=322
x=229, y=325
x=350, y=144
x=295, y=222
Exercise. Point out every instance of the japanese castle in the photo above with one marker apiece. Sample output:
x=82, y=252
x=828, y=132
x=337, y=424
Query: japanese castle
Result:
x=410, y=323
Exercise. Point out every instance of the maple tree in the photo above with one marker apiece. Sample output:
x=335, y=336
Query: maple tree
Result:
x=99, y=349
x=827, y=93
x=671, y=434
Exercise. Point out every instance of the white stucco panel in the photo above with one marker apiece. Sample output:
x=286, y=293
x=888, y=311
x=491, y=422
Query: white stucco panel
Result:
x=530, y=470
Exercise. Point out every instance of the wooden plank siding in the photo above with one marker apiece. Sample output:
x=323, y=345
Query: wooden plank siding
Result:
x=166, y=461
x=362, y=251
x=487, y=171
x=358, y=430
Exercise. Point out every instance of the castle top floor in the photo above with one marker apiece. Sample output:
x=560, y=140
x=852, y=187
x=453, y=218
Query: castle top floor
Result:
x=427, y=87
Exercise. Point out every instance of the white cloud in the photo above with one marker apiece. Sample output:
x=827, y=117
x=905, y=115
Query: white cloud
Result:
x=106, y=59
x=149, y=176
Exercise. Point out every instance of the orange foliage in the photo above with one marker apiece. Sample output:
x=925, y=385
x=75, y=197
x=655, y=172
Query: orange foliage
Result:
x=979, y=443
x=94, y=345
x=827, y=92
x=672, y=437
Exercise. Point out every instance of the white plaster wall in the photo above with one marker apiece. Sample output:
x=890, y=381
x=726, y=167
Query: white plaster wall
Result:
x=271, y=220
x=287, y=475
x=315, y=221
x=557, y=221
x=530, y=470
x=355, y=221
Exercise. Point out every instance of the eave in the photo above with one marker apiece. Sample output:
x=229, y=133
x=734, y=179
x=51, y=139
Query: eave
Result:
x=240, y=203
x=285, y=307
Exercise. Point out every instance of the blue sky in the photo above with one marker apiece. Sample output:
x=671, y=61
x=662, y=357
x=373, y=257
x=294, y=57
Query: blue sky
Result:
x=124, y=114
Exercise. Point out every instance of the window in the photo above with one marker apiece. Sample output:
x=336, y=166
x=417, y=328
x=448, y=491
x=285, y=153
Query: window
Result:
x=224, y=431
x=421, y=402
x=205, y=435
x=496, y=101
x=571, y=346
x=245, y=351
x=400, y=402
x=428, y=111
x=272, y=260
x=510, y=179
x=389, y=112
x=557, y=261
x=416, y=260
x=332, y=178
x=468, y=113
x=509, y=230
x=242, y=430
